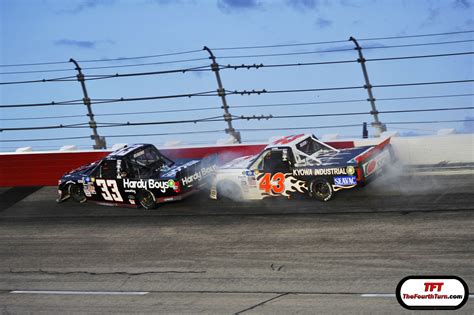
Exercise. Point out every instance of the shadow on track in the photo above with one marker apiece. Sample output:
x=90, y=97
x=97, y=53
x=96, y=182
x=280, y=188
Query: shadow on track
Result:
x=15, y=194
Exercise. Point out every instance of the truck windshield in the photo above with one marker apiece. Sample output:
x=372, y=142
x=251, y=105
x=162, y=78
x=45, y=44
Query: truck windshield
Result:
x=311, y=146
x=150, y=158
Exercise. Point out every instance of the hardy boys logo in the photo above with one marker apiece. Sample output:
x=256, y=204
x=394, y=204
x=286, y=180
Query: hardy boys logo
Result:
x=432, y=293
x=150, y=184
x=198, y=175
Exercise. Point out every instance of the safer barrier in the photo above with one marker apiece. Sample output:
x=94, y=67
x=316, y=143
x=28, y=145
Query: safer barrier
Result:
x=45, y=168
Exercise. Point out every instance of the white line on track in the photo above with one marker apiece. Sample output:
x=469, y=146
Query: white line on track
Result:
x=82, y=292
x=443, y=172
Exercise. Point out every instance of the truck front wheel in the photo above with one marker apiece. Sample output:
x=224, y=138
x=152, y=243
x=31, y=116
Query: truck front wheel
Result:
x=77, y=193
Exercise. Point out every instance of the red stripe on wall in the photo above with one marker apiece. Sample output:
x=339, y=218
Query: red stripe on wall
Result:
x=45, y=169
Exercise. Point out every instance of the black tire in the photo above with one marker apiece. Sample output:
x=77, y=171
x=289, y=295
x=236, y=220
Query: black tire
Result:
x=321, y=190
x=227, y=190
x=77, y=193
x=146, y=199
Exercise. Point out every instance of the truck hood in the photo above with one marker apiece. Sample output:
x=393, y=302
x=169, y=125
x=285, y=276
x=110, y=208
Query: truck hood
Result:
x=179, y=170
x=82, y=170
x=341, y=157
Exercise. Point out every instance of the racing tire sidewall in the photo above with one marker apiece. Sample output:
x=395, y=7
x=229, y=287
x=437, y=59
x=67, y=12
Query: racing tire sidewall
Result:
x=321, y=190
x=77, y=193
x=146, y=199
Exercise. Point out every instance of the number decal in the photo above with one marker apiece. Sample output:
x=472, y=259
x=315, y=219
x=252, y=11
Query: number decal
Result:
x=265, y=183
x=105, y=191
x=104, y=186
x=276, y=184
x=115, y=191
x=279, y=178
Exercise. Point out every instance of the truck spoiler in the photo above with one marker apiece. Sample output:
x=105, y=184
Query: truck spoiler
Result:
x=372, y=151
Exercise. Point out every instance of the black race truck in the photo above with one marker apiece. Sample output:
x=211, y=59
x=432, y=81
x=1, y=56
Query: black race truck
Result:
x=136, y=175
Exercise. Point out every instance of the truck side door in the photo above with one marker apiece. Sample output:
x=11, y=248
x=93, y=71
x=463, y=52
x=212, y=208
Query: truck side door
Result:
x=272, y=167
x=108, y=181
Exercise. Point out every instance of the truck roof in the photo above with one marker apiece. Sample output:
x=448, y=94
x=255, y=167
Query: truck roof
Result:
x=127, y=149
x=289, y=141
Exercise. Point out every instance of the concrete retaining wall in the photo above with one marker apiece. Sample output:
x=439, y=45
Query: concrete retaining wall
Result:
x=45, y=168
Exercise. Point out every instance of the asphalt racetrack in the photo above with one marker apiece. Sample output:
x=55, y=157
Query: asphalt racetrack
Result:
x=204, y=256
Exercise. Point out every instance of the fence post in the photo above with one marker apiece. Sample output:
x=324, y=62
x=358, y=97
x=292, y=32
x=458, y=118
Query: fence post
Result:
x=99, y=141
x=379, y=127
x=221, y=92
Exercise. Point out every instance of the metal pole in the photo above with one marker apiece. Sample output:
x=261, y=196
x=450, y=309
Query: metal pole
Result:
x=99, y=141
x=379, y=127
x=221, y=92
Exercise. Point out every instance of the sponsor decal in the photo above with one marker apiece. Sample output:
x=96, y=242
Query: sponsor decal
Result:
x=345, y=180
x=118, y=168
x=89, y=189
x=213, y=192
x=319, y=172
x=350, y=170
x=188, y=180
x=130, y=185
x=376, y=163
x=131, y=201
x=249, y=173
x=139, y=153
x=302, y=143
x=432, y=292
x=371, y=166
x=146, y=184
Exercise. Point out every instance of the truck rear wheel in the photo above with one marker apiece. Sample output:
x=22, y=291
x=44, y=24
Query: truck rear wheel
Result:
x=321, y=190
x=146, y=199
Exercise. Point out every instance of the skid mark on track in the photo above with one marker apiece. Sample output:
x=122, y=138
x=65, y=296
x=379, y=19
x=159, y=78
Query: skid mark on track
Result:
x=125, y=273
x=262, y=303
